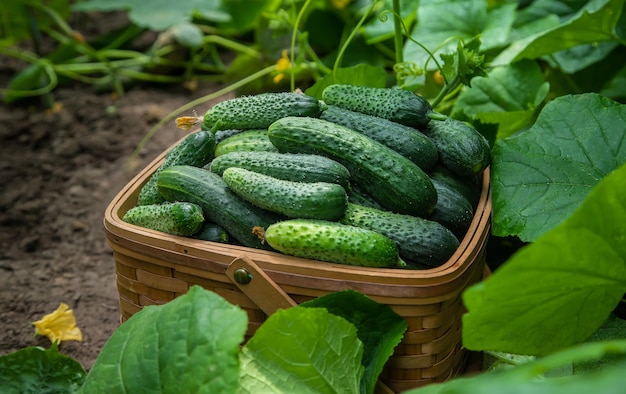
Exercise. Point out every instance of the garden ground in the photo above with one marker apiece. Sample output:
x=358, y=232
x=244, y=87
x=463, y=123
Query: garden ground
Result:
x=59, y=170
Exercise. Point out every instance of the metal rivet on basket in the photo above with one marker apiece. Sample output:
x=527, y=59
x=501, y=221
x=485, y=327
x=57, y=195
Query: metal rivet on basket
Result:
x=242, y=276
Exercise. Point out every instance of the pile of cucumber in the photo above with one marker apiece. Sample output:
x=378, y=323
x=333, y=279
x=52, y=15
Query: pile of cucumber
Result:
x=365, y=176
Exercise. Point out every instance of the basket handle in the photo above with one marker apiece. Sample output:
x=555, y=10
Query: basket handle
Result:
x=258, y=286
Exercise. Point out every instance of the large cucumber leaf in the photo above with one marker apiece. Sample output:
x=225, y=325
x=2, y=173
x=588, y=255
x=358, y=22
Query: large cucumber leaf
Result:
x=37, y=370
x=444, y=22
x=378, y=327
x=189, y=345
x=558, y=290
x=302, y=350
x=530, y=378
x=541, y=175
x=596, y=22
x=510, y=96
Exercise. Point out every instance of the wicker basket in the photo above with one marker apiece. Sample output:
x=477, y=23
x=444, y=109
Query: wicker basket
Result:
x=154, y=268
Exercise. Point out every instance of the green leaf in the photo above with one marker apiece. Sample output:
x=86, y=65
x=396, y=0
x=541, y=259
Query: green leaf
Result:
x=38, y=370
x=187, y=34
x=541, y=175
x=378, y=327
x=579, y=57
x=465, y=64
x=556, y=291
x=189, y=345
x=528, y=379
x=445, y=22
x=510, y=96
x=362, y=74
x=594, y=23
x=156, y=14
x=302, y=350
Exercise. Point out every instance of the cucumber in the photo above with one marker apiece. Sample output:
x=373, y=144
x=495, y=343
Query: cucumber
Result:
x=420, y=241
x=221, y=135
x=453, y=210
x=405, y=140
x=468, y=186
x=391, y=179
x=246, y=141
x=317, y=200
x=176, y=218
x=398, y=105
x=219, y=204
x=333, y=242
x=462, y=149
x=212, y=232
x=260, y=110
x=294, y=167
x=197, y=149
x=358, y=196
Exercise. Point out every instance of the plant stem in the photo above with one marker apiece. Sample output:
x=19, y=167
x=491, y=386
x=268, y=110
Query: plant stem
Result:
x=397, y=38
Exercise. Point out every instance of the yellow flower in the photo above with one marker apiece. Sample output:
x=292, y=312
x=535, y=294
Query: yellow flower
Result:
x=59, y=325
x=283, y=64
x=340, y=4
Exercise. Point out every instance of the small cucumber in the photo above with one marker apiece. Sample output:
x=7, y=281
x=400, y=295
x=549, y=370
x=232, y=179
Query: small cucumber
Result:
x=212, y=232
x=333, y=242
x=394, y=181
x=260, y=110
x=317, y=200
x=398, y=105
x=176, y=218
x=453, y=210
x=407, y=141
x=197, y=149
x=419, y=241
x=462, y=149
x=293, y=167
x=219, y=203
x=245, y=141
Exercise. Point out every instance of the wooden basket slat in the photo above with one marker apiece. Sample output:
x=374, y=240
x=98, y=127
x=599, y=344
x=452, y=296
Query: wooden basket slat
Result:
x=154, y=268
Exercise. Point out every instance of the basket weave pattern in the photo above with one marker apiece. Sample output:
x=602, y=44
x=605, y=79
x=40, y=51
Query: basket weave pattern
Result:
x=154, y=268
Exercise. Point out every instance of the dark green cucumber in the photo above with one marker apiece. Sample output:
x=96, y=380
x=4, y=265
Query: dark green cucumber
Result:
x=469, y=186
x=246, y=141
x=333, y=242
x=407, y=141
x=176, y=218
x=212, y=232
x=453, y=210
x=394, y=181
x=293, y=167
x=358, y=196
x=419, y=241
x=260, y=110
x=219, y=203
x=197, y=149
x=398, y=105
x=221, y=135
x=462, y=149
x=317, y=200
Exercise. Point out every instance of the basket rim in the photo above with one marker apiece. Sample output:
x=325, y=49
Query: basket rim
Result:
x=189, y=248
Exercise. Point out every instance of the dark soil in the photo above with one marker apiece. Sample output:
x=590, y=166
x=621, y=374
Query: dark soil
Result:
x=60, y=168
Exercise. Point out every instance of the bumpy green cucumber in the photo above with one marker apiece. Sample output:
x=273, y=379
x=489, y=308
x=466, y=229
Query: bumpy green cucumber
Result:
x=212, y=232
x=398, y=105
x=293, y=167
x=176, y=218
x=197, y=149
x=246, y=141
x=259, y=111
x=317, y=200
x=405, y=140
x=333, y=242
x=453, y=210
x=469, y=186
x=462, y=149
x=219, y=203
x=394, y=181
x=419, y=241
x=358, y=196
